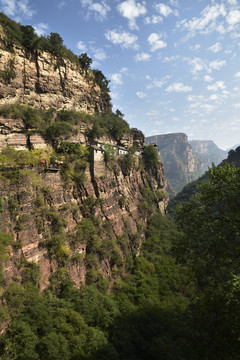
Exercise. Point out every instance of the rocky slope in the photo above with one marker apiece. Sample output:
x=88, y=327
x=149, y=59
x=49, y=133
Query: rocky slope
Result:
x=75, y=214
x=180, y=164
x=47, y=81
x=37, y=203
x=208, y=151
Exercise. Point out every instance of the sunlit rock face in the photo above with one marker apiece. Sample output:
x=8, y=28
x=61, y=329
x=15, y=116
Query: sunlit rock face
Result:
x=208, y=151
x=44, y=81
x=180, y=164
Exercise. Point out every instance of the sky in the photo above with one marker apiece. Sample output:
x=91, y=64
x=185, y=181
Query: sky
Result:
x=174, y=65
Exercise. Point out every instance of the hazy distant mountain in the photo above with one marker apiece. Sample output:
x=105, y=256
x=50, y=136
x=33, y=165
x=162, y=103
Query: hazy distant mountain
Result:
x=192, y=188
x=233, y=147
x=183, y=160
x=180, y=164
x=208, y=151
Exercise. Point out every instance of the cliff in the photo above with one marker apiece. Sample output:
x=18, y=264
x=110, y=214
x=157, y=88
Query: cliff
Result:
x=75, y=194
x=180, y=164
x=47, y=211
x=208, y=151
x=41, y=79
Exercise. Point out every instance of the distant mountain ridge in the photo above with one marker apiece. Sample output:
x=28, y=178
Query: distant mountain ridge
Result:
x=180, y=164
x=192, y=188
x=184, y=160
x=208, y=151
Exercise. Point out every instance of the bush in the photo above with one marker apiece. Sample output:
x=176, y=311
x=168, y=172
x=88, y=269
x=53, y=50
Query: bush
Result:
x=150, y=157
x=127, y=163
x=8, y=75
x=85, y=61
x=58, y=131
x=108, y=154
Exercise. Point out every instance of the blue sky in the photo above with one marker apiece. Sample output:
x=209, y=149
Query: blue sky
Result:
x=174, y=65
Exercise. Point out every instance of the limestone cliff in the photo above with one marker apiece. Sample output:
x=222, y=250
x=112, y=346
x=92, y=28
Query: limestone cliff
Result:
x=75, y=194
x=180, y=164
x=46, y=81
x=44, y=214
x=208, y=151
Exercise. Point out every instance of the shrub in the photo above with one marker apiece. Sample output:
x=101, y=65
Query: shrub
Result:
x=127, y=163
x=85, y=61
x=150, y=157
x=58, y=131
x=108, y=154
x=8, y=75
x=29, y=37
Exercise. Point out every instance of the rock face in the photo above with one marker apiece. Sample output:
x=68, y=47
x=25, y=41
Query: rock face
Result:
x=208, y=151
x=180, y=164
x=44, y=81
x=57, y=214
x=33, y=205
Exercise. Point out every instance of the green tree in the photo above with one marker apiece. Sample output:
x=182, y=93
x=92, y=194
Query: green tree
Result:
x=101, y=80
x=29, y=37
x=55, y=43
x=150, y=156
x=210, y=247
x=85, y=61
x=58, y=131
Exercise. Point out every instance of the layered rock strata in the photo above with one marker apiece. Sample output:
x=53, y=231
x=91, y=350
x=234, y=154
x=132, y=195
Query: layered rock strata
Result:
x=45, y=81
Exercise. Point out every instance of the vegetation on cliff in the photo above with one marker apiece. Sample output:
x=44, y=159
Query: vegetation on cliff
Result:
x=58, y=125
x=15, y=34
x=178, y=299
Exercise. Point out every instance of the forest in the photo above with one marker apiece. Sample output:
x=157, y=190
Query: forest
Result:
x=179, y=299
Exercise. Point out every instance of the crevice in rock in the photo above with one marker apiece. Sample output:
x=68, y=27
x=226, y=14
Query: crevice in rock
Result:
x=37, y=84
x=24, y=75
x=63, y=79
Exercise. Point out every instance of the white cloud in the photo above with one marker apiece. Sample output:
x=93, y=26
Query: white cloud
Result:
x=174, y=3
x=206, y=23
x=116, y=79
x=115, y=95
x=237, y=75
x=196, y=47
x=155, y=42
x=171, y=58
x=142, y=57
x=208, y=78
x=178, y=87
x=98, y=9
x=131, y=10
x=141, y=95
x=153, y=19
x=62, y=4
x=193, y=98
x=233, y=17
x=216, y=47
x=81, y=46
x=156, y=83
x=17, y=8
x=125, y=39
x=123, y=70
x=99, y=54
x=41, y=28
x=195, y=107
x=197, y=64
x=219, y=85
x=216, y=64
x=165, y=10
